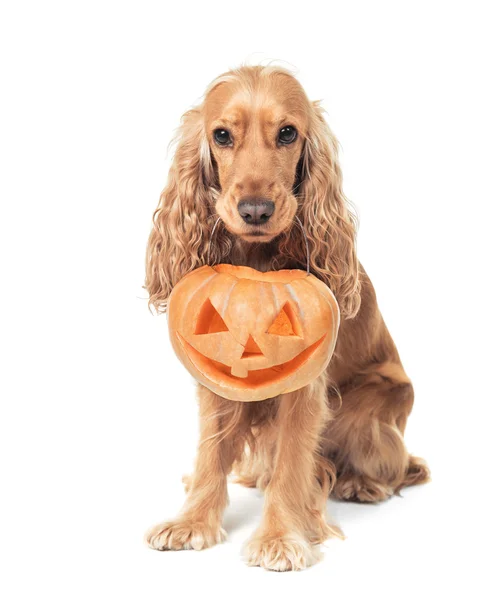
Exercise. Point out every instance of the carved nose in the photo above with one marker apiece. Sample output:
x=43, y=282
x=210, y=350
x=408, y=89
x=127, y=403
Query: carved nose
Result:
x=256, y=211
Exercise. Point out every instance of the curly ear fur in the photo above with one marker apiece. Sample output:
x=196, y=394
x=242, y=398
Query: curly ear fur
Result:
x=324, y=211
x=179, y=240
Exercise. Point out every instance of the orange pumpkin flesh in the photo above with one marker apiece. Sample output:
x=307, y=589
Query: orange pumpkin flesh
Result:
x=248, y=335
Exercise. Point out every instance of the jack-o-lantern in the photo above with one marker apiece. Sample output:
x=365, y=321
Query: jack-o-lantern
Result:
x=248, y=335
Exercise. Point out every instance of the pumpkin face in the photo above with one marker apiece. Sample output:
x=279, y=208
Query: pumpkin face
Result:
x=248, y=335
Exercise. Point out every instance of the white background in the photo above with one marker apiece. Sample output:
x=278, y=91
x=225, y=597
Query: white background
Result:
x=99, y=420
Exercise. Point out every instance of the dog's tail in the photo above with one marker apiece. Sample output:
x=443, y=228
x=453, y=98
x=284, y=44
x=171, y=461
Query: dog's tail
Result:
x=418, y=472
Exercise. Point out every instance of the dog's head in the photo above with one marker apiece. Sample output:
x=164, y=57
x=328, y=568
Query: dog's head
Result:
x=256, y=128
x=257, y=154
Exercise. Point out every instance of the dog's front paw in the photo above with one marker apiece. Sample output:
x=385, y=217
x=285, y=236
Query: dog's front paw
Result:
x=184, y=534
x=290, y=552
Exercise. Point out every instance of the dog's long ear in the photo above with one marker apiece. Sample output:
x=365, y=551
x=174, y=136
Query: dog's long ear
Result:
x=179, y=238
x=330, y=225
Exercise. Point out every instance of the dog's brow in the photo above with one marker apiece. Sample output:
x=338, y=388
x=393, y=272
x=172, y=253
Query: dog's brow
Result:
x=286, y=120
x=229, y=121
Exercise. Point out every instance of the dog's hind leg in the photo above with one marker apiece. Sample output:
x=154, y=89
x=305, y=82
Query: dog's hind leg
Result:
x=365, y=437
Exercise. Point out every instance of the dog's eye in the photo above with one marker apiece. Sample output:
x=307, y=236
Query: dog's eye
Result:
x=287, y=135
x=222, y=137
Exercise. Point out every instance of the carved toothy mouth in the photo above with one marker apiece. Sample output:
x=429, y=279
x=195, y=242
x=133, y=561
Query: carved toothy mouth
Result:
x=221, y=374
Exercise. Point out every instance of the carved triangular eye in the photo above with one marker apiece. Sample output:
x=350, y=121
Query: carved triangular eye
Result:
x=286, y=322
x=209, y=320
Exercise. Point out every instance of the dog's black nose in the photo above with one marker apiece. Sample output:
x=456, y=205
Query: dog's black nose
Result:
x=256, y=211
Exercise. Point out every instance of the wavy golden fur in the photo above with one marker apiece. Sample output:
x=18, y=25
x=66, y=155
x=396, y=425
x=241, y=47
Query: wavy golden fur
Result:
x=344, y=432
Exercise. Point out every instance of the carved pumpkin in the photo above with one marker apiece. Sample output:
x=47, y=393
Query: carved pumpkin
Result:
x=248, y=335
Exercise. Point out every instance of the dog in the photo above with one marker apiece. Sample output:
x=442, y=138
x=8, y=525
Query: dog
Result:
x=258, y=155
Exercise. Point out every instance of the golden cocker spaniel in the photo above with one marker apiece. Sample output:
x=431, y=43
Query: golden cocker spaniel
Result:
x=257, y=154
